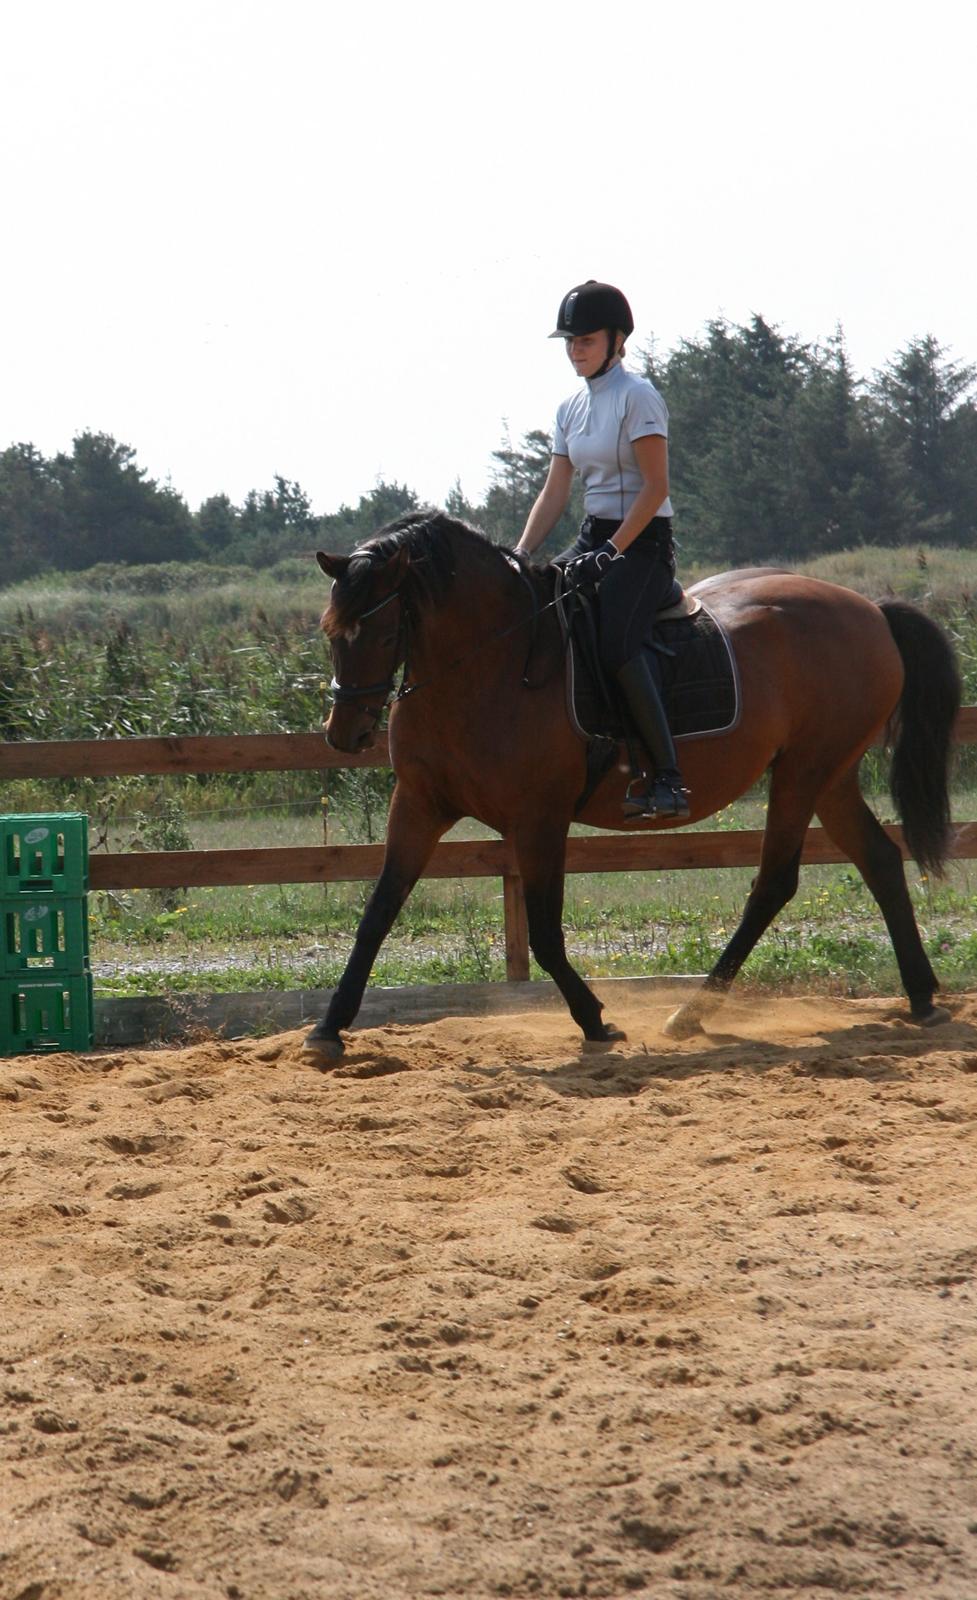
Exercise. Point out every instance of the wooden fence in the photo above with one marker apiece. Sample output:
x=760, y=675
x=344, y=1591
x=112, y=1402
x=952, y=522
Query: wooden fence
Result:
x=305, y=752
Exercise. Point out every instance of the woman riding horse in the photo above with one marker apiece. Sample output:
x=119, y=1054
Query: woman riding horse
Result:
x=615, y=434
x=822, y=671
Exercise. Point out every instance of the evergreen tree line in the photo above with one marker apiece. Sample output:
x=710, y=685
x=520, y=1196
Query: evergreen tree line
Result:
x=778, y=452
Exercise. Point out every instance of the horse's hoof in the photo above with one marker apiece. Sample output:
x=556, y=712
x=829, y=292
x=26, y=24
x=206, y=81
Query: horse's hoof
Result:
x=683, y=1024
x=322, y=1052
x=933, y=1018
x=606, y=1039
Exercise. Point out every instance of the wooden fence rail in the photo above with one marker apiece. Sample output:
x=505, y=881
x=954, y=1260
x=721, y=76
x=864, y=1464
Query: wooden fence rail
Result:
x=305, y=752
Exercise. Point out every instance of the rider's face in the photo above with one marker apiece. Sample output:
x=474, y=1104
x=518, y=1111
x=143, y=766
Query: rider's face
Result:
x=588, y=352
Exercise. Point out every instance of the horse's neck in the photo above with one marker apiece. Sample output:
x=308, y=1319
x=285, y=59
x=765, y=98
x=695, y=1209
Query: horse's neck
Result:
x=483, y=600
x=481, y=639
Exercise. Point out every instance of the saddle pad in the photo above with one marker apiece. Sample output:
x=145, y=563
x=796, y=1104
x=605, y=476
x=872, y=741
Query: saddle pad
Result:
x=695, y=667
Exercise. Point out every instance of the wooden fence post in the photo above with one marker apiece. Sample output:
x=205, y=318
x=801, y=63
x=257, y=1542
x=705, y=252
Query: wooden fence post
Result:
x=516, y=929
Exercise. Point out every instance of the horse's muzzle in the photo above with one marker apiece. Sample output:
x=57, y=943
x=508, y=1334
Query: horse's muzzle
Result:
x=350, y=739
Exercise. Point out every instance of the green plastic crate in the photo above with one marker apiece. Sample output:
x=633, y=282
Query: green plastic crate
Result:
x=44, y=854
x=49, y=1014
x=44, y=934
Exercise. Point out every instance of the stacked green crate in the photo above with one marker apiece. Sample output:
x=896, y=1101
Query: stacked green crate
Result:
x=45, y=973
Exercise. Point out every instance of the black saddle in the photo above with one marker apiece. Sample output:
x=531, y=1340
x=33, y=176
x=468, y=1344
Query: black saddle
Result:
x=690, y=655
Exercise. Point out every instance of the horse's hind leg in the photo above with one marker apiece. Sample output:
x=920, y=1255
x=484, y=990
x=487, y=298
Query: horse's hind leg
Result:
x=789, y=812
x=541, y=854
x=412, y=832
x=857, y=831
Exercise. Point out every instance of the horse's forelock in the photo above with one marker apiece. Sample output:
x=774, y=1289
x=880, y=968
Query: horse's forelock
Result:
x=349, y=595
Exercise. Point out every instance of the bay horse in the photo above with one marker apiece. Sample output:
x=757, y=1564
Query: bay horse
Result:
x=480, y=728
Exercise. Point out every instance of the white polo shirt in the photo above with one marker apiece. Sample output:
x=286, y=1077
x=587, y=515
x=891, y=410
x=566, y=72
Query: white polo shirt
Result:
x=596, y=427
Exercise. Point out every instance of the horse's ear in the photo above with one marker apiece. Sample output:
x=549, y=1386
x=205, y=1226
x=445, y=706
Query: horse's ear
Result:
x=333, y=566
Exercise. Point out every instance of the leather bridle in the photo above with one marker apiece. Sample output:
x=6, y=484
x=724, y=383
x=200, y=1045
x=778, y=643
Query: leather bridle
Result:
x=347, y=692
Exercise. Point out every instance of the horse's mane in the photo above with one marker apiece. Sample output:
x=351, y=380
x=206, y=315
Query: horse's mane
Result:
x=431, y=539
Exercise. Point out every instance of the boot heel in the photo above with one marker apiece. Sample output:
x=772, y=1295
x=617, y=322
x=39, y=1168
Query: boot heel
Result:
x=663, y=798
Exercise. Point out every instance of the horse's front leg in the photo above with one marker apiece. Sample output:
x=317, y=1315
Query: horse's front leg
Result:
x=541, y=855
x=413, y=829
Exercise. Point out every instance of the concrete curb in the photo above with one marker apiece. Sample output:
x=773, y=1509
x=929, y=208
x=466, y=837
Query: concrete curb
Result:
x=144, y=1020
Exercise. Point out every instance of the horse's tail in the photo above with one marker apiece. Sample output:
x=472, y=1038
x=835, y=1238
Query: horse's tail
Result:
x=922, y=727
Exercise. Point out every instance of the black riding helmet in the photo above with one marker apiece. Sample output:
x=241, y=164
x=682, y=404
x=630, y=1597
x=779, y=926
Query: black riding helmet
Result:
x=590, y=307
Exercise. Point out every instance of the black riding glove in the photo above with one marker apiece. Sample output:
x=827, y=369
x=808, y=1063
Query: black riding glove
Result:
x=593, y=565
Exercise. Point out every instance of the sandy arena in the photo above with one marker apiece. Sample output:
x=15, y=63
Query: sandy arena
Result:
x=481, y=1315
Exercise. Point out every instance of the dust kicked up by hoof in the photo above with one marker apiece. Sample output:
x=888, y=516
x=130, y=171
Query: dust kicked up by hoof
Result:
x=683, y=1024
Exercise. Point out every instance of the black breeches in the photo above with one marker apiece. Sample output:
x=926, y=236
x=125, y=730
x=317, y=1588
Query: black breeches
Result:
x=633, y=589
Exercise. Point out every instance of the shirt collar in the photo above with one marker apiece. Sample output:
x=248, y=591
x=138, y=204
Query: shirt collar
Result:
x=607, y=380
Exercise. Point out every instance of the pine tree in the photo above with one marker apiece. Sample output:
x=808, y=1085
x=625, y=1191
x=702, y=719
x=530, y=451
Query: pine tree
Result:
x=31, y=513
x=113, y=512
x=517, y=479
x=922, y=405
x=733, y=452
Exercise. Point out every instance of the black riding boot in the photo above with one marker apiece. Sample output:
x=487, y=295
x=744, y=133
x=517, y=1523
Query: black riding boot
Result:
x=667, y=795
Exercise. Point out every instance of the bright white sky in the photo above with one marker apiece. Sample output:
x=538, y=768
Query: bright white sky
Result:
x=252, y=237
